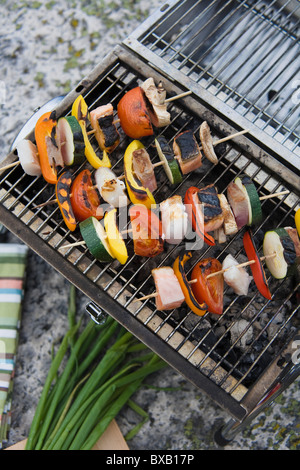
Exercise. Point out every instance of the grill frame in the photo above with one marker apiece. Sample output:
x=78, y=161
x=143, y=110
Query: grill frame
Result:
x=236, y=404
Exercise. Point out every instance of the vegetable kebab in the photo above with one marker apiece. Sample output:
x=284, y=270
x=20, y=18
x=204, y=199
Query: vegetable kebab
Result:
x=204, y=292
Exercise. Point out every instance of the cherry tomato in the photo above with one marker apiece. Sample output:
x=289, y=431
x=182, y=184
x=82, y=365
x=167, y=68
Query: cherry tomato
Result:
x=209, y=290
x=85, y=200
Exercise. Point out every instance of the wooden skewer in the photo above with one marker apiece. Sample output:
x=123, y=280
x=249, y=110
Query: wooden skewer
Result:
x=180, y=95
x=269, y=196
x=82, y=242
x=6, y=167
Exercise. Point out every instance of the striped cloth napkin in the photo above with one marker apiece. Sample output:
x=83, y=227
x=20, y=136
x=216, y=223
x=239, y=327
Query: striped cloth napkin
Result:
x=13, y=259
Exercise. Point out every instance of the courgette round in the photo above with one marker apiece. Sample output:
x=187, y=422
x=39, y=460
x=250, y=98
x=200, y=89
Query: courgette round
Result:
x=71, y=140
x=280, y=253
x=170, y=164
x=95, y=238
x=254, y=205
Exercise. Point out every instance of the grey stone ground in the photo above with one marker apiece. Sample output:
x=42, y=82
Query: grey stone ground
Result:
x=46, y=47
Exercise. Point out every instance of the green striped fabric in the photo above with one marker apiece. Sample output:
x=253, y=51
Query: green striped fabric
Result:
x=13, y=258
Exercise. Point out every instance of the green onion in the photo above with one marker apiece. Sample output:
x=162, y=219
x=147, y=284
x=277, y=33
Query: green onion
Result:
x=102, y=367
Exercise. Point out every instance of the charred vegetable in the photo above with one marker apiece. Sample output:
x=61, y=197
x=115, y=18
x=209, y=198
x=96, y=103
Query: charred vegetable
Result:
x=190, y=299
x=257, y=269
x=133, y=114
x=146, y=231
x=71, y=140
x=63, y=191
x=95, y=238
x=280, y=253
x=252, y=198
x=209, y=291
x=85, y=200
x=170, y=163
x=81, y=112
x=115, y=239
x=49, y=152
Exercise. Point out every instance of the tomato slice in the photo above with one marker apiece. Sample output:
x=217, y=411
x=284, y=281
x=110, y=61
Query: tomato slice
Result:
x=209, y=290
x=85, y=200
x=146, y=231
x=133, y=114
x=257, y=269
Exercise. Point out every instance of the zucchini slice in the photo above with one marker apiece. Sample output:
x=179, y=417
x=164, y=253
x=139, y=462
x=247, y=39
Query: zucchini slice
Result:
x=170, y=164
x=95, y=238
x=280, y=253
x=254, y=205
x=71, y=140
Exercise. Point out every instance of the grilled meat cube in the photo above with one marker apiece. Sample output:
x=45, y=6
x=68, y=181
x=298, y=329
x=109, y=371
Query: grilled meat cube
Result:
x=106, y=133
x=212, y=210
x=187, y=151
x=143, y=169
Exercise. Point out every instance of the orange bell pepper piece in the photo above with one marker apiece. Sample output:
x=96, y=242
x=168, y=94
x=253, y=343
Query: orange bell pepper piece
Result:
x=48, y=150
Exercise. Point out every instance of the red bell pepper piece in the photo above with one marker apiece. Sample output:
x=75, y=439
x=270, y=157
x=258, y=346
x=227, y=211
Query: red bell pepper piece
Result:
x=209, y=290
x=257, y=269
x=196, y=216
x=85, y=200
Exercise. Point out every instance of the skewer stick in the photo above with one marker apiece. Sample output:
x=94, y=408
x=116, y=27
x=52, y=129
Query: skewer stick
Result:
x=269, y=196
x=180, y=95
x=6, y=167
x=229, y=137
x=82, y=242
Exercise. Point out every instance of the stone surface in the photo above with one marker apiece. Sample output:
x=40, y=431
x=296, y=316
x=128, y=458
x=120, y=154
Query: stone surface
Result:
x=46, y=47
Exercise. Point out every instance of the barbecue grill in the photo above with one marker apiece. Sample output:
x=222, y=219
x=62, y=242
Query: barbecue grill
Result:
x=239, y=60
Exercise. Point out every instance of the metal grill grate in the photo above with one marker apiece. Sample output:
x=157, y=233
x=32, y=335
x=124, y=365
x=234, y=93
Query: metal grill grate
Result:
x=241, y=56
x=204, y=349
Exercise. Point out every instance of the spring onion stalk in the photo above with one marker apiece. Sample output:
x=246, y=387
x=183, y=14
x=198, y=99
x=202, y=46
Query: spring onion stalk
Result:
x=52, y=373
x=104, y=365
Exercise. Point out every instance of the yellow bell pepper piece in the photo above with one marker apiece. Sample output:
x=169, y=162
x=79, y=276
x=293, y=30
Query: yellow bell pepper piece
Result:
x=297, y=221
x=114, y=238
x=137, y=193
x=80, y=111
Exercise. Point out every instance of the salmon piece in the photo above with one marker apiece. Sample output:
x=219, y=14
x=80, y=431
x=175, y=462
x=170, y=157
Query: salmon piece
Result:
x=143, y=168
x=167, y=286
x=106, y=133
x=187, y=152
x=213, y=214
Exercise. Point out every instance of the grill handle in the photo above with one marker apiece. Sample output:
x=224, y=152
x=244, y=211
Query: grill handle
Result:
x=96, y=314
